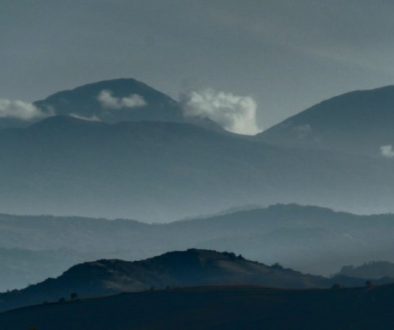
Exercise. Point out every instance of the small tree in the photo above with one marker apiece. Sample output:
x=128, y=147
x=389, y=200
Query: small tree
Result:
x=74, y=296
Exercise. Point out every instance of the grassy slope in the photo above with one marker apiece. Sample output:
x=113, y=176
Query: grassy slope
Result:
x=216, y=308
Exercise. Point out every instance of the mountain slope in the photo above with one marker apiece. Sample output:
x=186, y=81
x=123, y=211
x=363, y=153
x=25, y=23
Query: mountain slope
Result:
x=175, y=269
x=309, y=239
x=118, y=100
x=358, y=122
x=215, y=308
x=85, y=101
x=160, y=170
x=111, y=101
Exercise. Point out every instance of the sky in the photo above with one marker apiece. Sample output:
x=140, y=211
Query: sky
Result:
x=285, y=55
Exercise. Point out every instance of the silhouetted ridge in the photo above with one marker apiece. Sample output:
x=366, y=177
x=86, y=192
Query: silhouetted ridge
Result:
x=193, y=267
x=216, y=308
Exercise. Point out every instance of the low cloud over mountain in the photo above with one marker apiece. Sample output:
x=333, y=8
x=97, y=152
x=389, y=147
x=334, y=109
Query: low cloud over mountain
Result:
x=387, y=151
x=234, y=113
x=107, y=100
x=19, y=110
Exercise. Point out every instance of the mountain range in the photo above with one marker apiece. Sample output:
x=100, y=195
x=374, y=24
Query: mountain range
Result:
x=369, y=270
x=122, y=150
x=309, y=239
x=132, y=154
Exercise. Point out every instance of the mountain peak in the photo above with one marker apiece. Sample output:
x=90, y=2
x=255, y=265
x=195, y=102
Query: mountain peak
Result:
x=358, y=122
x=118, y=100
x=113, y=101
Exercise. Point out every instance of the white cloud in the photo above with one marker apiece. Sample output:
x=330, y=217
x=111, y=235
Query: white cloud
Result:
x=109, y=101
x=87, y=118
x=387, y=151
x=234, y=113
x=19, y=110
x=133, y=100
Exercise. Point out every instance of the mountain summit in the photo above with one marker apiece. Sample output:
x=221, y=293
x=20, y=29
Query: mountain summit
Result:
x=114, y=101
x=357, y=122
x=118, y=100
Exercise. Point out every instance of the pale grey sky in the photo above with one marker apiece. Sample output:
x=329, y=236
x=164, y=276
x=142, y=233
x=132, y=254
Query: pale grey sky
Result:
x=286, y=54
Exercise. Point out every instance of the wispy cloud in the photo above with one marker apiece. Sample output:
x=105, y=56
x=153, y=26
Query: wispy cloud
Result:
x=234, y=113
x=19, y=110
x=107, y=100
x=87, y=118
x=387, y=151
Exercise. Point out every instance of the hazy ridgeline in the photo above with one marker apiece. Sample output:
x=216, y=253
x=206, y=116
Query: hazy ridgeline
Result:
x=120, y=148
x=214, y=201
x=308, y=239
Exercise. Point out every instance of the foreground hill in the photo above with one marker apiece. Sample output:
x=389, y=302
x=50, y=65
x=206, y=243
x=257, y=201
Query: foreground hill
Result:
x=309, y=239
x=173, y=269
x=216, y=308
x=157, y=171
x=359, y=122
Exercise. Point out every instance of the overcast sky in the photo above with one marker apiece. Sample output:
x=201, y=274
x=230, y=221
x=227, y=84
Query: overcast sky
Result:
x=286, y=54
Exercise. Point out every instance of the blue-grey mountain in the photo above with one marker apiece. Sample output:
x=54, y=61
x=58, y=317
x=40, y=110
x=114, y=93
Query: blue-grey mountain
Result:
x=309, y=239
x=159, y=171
x=359, y=122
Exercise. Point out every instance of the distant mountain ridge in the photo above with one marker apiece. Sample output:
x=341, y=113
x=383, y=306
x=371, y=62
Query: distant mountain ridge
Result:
x=131, y=153
x=358, y=122
x=157, y=171
x=369, y=270
x=111, y=101
x=118, y=100
x=85, y=101
x=309, y=239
